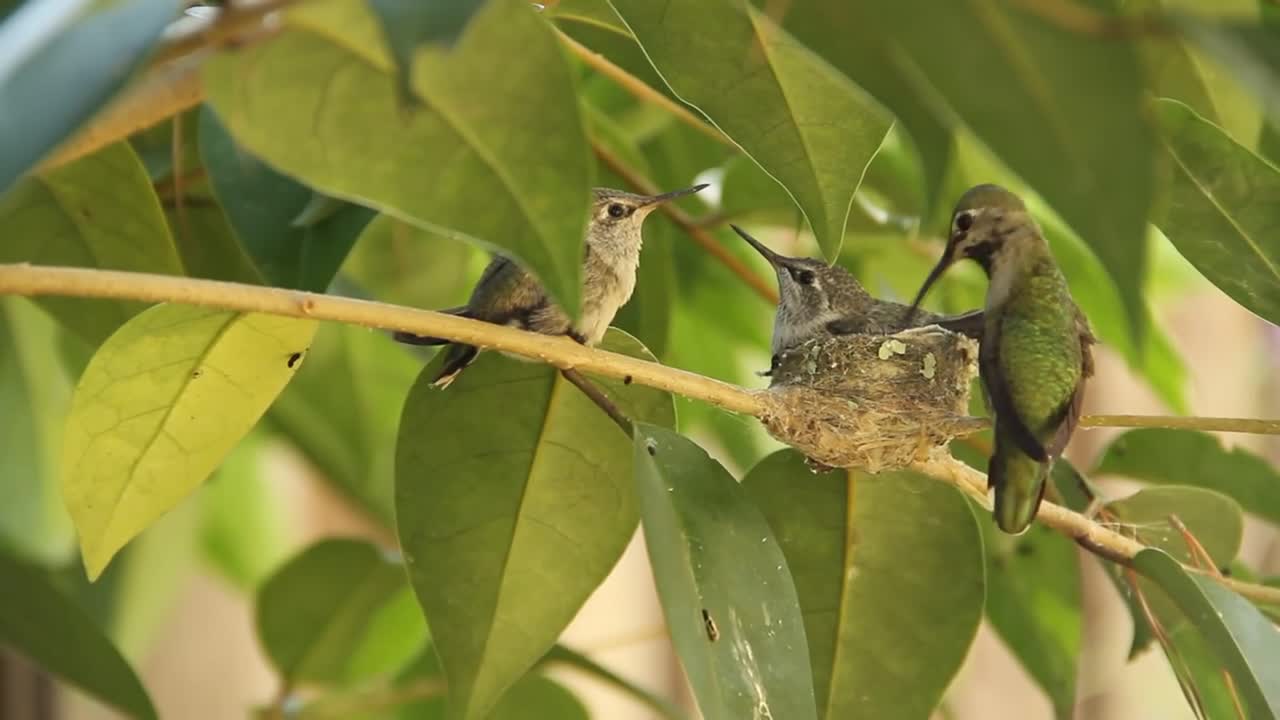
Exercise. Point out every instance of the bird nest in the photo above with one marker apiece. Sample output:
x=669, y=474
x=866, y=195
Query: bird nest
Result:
x=874, y=402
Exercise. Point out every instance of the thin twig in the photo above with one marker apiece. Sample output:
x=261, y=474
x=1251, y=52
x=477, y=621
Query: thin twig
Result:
x=561, y=352
x=231, y=23
x=640, y=89
x=1207, y=424
x=1082, y=20
x=598, y=397
x=642, y=185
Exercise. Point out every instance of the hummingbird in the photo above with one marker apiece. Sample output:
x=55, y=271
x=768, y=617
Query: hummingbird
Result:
x=819, y=300
x=1036, y=348
x=507, y=294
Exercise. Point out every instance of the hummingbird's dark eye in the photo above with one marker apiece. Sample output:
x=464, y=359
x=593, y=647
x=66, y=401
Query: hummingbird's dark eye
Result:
x=617, y=211
x=964, y=221
x=804, y=277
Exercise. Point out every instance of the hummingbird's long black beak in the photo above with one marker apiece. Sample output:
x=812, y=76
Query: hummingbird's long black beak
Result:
x=774, y=258
x=934, y=274
x=667, y=197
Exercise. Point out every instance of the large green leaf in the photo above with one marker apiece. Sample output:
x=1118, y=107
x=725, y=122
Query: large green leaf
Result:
x=510, y=483
x=890, y=573
x=264, y=206
x=1061, y=109
x=1033, y=602
x=37, y=620
x=1216, y=520
x=54, y=75
x=97, y=212
x=728, y=598
x=162, y=402
x=34, y=396
x=802, y=121
x=497, y=154
x=316, y=612
x=409, y=24
x=1188, y=457
x=1244, y=641
x=1219, y=209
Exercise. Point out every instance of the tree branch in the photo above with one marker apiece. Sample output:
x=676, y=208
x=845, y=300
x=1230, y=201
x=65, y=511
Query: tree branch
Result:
x=561, y=352
x=597, y=396
x=1207, y=424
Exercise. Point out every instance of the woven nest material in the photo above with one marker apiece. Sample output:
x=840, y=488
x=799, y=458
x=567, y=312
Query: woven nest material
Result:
x=874, y=402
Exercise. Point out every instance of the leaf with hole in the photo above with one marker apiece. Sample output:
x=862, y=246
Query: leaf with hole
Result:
x=727, y=595
x=506, y=132
x=510, y=482
x=866, y=551
x=161, y=404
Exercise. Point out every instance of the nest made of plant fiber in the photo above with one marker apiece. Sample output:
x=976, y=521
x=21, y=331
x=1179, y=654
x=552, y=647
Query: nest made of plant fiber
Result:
x=874, y=402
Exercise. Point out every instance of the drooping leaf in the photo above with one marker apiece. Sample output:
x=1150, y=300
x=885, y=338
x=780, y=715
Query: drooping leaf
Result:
x=1188, y=457
x=40, y=622
x=315, y=612
x=1216, y=518
x=1243, y=640
x=726, y=592
x=866, y=551
x=97, y=212
x=1219, y=207
x=804, y=123
x=162, y=402
x=510, y=482
x=1033, y=602
x=34, y=396
x=504, y=129
x=52, y=79
x=409, y=24
x=263, y=207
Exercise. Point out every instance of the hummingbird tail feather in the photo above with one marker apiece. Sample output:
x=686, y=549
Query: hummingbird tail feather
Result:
x=457, y=360
x=1019, y=482
x=411, y=339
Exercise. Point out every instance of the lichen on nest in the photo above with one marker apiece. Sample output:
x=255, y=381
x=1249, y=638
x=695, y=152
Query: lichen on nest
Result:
x=874, y=402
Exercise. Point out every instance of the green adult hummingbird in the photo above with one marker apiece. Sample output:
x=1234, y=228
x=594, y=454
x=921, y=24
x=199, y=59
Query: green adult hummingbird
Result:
x=817, y=300
x=1035, y=352
x=507, y=294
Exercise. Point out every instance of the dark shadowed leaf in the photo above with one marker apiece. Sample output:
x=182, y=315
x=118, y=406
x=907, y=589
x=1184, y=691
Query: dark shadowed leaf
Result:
x=96, y=212
x=1241, y=638
x=726, y=592
x=38, y=621
x=1188, y=457
x=162, y=402
x=503, y=128
x=409, y=24
x=803, y=122
x=263, y=205
x=508, y=483
x=316, y=611
x=1220, y=211
x=49, y=87
x=886, y=634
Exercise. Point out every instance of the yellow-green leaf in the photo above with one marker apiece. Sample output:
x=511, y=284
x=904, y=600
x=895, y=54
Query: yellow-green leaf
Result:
x=162, y=402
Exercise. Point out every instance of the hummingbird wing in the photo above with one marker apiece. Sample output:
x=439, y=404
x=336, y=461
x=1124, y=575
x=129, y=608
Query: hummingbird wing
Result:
x=970, y=324
x=410, y=339
x=993, y=379
x=1072, y=415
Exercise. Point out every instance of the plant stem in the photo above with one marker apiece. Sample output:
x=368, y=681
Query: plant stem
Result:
x=598, y=397
x=561, y=352
x=1208, y=424
x=644, y=186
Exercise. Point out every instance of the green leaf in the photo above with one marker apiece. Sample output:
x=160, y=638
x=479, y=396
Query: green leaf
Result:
x=161, y=404
x=263, y=205
x=409, y=24
x=1244, y=641
x=505, y=130
x=1219, y=209
x=96, y=212
x=1214, y=519
x=1249, y=50
x=588, y=12
x=576, y=660
x=38, y=621
x=1033, y=602
x=508, y=483
x=890, y=573
x=53, y=78
x=726, y=592
x=803, y=122
x=34, y=396
x=1189, y=457
x=315, y=612
x=246, y=525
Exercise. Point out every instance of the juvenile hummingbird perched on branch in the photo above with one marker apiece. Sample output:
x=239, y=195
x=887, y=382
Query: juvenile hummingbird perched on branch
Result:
x=1035, y=352
x=507, y=294
x=819, y=300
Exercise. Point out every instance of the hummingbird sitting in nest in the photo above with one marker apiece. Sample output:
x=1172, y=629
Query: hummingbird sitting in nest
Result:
x=816, y=300
x=507, y=294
